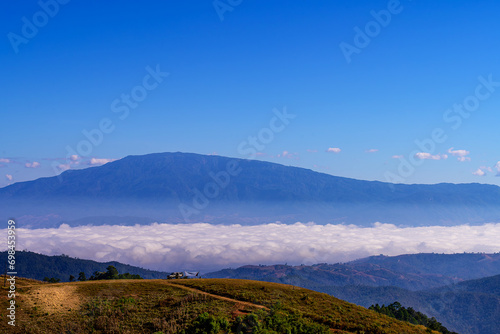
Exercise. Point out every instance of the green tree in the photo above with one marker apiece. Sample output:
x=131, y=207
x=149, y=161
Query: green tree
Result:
x=81, y=276
x=51, y=280
x=208, y=324
x=71, y=278
x=112, y=272
x=396, y=310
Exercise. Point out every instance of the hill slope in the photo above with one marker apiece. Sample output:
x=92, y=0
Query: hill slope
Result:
x=38, y=266
x=464, y=266
x=148, y=306
x=487, y=285
x=215, y=188
x=468, y=307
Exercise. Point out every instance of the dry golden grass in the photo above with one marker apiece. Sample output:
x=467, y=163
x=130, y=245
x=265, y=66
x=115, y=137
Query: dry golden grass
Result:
x=320, y=307
x=149, y=306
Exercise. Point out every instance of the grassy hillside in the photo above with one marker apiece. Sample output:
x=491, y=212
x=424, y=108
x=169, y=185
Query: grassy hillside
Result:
x=420, y=281
x=186, y=306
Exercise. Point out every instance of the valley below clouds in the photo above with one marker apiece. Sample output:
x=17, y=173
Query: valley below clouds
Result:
x=208, y=247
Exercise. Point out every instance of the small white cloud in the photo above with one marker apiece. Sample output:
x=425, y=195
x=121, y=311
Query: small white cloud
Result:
x=460, y=154
x=6, y=161
x=63, y=167
x=479, y=172
x=8, y=177
x=397, y=157
x=74, y=160
x=34, y=164
x=96, y=161
x=334, y=150
x=288, y=155
x=372, y=150
x=428, y=156
x=486, y=168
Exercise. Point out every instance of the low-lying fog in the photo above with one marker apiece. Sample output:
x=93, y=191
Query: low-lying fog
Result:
x=206, y=247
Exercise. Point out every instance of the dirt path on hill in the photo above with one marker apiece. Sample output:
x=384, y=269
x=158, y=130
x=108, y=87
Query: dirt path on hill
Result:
x=239, y=302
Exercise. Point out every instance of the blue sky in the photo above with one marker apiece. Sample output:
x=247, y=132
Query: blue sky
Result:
x=358, y=116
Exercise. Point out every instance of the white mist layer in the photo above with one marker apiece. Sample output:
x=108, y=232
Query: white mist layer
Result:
x=206, y=247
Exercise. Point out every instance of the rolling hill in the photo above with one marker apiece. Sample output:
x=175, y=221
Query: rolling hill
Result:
x=471, y=305
x=183, y=187
x=421, y=281
x=188, y=306
x=487, y=285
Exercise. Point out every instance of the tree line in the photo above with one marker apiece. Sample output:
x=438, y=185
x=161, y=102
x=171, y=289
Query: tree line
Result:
x=110, y=273
x=396, y=310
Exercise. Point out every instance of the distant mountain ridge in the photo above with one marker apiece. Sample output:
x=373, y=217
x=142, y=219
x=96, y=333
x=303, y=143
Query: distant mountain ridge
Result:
x=186, y=187
x=411, y=272
x=39, y=266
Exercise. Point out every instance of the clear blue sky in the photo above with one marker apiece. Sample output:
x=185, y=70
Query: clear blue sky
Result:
x=226, y=77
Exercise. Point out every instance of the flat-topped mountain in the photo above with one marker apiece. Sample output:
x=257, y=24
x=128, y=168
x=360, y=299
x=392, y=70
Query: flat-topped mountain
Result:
x=184, y=187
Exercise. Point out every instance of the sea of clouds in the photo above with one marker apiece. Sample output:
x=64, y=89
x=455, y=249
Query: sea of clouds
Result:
x=207, y=247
